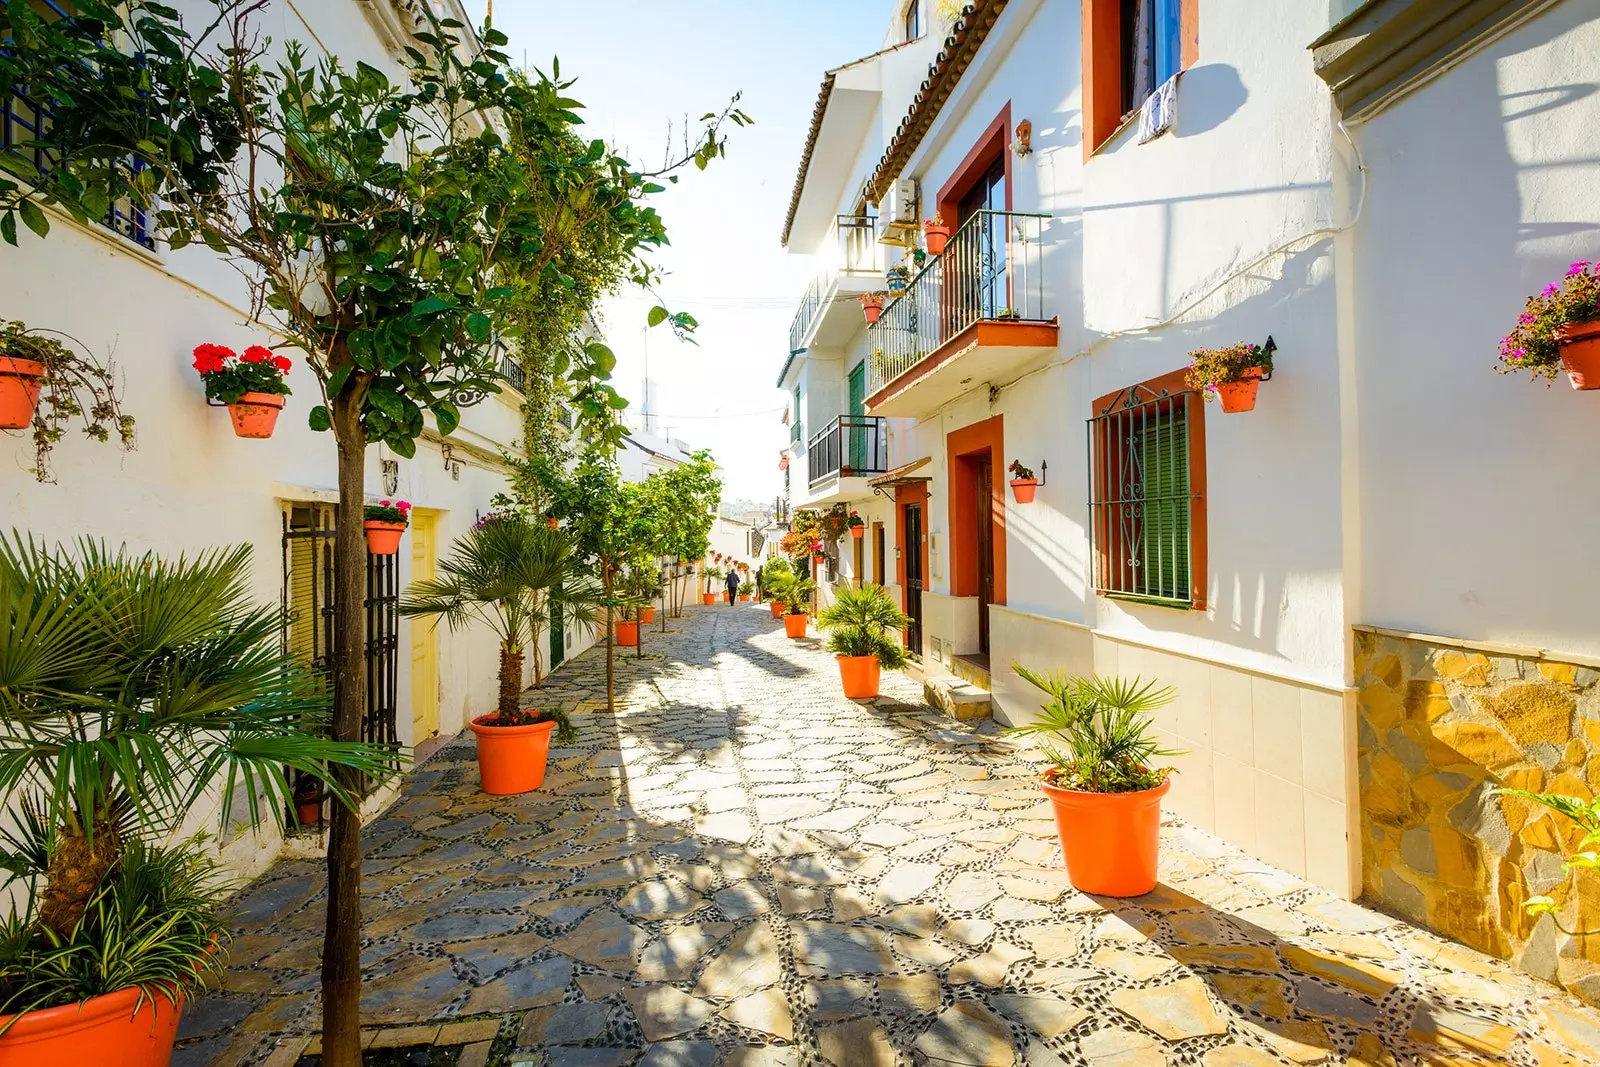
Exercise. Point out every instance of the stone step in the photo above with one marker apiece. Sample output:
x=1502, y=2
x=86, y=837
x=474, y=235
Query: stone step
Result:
x=957, y=697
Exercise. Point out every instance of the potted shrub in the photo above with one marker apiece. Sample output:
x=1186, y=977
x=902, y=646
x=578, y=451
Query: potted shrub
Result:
x=1023, y=483
x=859, y=622
x=138, y=693
x=385, y=523
x=713, y=575
x=858, y=526
x=746, y=590
x=1559, y=329
x=511, y=575
x=35, y=368
x=871, y=307
x=1231, y=374
x=251, y=386
x=778, y=576
x=936, y=233
x=794, y=617
x=899, y=279
x=1102, y=782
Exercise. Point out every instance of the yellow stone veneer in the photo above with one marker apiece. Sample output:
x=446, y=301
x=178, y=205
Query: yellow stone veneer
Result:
x=1439, y=729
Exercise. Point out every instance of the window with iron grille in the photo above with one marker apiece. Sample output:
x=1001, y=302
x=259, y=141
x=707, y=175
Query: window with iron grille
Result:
x=1146, y=506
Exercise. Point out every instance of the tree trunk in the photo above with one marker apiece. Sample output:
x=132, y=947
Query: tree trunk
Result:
x=75, y=871
x=341, y=953
x=611, y=705
x=666, y=594
x=510, y=681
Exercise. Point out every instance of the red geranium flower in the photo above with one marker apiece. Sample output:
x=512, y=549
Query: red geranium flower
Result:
x=282, y=363
x=209, y=358
x=256, y=354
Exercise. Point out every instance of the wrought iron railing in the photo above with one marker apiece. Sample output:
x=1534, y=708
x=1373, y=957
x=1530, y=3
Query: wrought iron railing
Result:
x=851, y=446
x=989, y=271
x=852, y=248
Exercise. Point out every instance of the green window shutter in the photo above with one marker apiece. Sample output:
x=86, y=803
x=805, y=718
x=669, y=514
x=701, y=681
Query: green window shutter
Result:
x=1163, y=442
x=796, y=431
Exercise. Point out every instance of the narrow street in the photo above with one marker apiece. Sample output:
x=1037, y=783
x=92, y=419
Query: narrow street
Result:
x=744, y=868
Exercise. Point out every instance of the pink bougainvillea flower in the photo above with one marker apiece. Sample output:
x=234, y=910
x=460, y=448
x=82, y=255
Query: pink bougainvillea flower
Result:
x=1578, y=268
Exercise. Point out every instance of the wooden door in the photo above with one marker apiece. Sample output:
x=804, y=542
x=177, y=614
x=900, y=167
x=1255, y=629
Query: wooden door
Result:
x=424, y=634
x=911, y=554
x=984, y=510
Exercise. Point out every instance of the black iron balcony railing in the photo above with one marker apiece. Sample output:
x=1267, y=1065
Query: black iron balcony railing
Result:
x=989, y=271
x=851, y=446
x=852, y=248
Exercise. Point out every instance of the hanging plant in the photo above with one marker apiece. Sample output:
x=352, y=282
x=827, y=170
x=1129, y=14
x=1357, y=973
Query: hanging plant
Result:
x=1231, y=374
x=858, y=526
x=45, y=384
x=936, y=233
x=384, y=525
x=871, y=307
x=250, y=386
x=1023, y=483
x=835, y=523
x=1559, y=329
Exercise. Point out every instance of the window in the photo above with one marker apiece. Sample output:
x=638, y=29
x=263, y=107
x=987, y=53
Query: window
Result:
x=796, y=430
x=1146, y=507
x=1130, y=48
x=913, y=20
x=1151, y=48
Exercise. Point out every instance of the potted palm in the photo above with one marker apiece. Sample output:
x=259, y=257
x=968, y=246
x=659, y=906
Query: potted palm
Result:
x=512, y=575
x=137, y=694
x=713, y=575
x=1023, y=483
x=1559, y=329
x=778, y=577
x=1102, y=782
x=35, y=368
x=859, y=622
x=1231, y=374
x=251, y=386
x=385, y=523
x=796, y=596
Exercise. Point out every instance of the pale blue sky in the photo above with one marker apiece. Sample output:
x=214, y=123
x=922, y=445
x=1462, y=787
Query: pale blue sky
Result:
x=642, y=64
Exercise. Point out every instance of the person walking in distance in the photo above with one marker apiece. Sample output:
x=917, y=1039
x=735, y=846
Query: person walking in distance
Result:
x=733, y=583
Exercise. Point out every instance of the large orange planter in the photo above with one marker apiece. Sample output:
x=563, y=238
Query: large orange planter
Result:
x=1110, y=840
x=19, y=391
x=795, y=625
x=99, y=1030
x=860, y=676
x=511, y=759
x=647, y=615
x=383, y=538
x=744, y=598
x=1580, y=353
x=777, y=607
x=255, y=414
x=1240, y=395
x=627, y=634
x=708, y=598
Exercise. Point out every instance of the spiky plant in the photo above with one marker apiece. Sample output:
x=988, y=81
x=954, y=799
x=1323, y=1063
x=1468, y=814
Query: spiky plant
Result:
x=859, y=622
x=1103, y=728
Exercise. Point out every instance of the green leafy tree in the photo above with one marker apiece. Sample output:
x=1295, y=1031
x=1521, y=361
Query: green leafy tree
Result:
x=681, y=502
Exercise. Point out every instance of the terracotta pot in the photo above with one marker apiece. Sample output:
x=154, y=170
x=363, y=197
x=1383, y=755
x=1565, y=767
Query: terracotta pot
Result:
x=511, y=759
x=777, y=609
x=383, y=538
x=1024, y=488
x=858, y=532
x=255, y=414
x=1580, y=353
x=647, y=615
x=101, y=1029
x=627, y=634
x=937, y=237
x=860, y=676
x=1110, y=840
x=873, y=310
x=708, y=598
x=308, y=811
x=19, y=391
x=795, y=625
x=1240, y=395
x=554, y=524
x=744, y=598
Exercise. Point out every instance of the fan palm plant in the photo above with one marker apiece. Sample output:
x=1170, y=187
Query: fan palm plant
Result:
x=1104, y=730
x=133, y=689
x=515, y=576
x=859, y=622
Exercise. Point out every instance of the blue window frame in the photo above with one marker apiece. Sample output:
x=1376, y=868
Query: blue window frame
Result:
x=1167, y=47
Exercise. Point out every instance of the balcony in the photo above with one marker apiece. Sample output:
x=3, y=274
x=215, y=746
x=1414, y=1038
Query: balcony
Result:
x=842, y=456
x=972, y=314
x=852, y=264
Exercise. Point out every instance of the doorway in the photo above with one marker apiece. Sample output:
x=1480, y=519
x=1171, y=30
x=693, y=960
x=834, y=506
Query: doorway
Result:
x=858, y=451
x=976, y=462
x=911, y=525
x=983, y=511
x=424, y=634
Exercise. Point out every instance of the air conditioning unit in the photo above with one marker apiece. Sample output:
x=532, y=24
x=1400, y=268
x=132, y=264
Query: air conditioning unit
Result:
x=897, y=214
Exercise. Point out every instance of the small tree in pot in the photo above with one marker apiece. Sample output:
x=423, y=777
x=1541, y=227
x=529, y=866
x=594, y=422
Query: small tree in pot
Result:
x=1102, y=782
x=859, y=622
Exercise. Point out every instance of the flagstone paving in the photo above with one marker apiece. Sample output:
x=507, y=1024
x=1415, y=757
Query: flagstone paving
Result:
x=743, y=868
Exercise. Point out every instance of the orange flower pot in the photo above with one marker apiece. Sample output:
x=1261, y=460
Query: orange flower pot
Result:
x=19, y=391
x=308, y=811
x=795, y=625
x=860, y=676
x=777, y=609
x=627, y=634
x=102, y=1029
x=553, y=523
x=1580, y=353
x=511, y=759
x=1023, y=489
x=872, y=309
x=647, y=615
x=744, y=598
x=858, y=532
x=937, y=237
x=1110, y=840
x=255, y=414
x=708, y=598
x=1241, y=395
x=383, y=538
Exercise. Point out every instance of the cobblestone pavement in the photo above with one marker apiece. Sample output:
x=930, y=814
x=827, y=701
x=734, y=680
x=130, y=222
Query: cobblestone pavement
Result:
x=742, y=867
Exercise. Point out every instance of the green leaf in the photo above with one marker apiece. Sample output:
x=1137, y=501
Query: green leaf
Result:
x=404, y=447
x=34, y=217
x=432, y=305
x=386, y=400
x=8, y=227
x=658, y=315
x=319, y=420
x=448, y=417
x=479, y=326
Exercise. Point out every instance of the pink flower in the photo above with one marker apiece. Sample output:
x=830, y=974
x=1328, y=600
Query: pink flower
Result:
x=1551, y=290
x=402, y=506
x=1578, y=268
x=1526, y=318
x=383, y=503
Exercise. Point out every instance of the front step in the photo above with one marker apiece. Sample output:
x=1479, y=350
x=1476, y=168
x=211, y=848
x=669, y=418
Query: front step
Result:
x=957, y=697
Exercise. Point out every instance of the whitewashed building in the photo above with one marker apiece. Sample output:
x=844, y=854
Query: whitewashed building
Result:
x=1375, y=187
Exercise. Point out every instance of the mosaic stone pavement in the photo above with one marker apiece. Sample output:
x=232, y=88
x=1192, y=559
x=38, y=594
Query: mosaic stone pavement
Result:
x=743, y=868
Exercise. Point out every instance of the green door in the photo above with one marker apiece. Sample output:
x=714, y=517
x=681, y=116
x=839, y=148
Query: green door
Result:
x=859, y=452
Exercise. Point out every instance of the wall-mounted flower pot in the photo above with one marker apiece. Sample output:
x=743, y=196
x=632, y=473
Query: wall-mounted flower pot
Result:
x=860, y=676
x=383, y=538
x=1580, y=353
x=858, y=532
x=1024, y=488
x=777, y=607
x=647, y=615
x=19, y=391
x=255, y=414
x=872, y=308
x=627, y=634
x=708, y=598
x=795, y=625
x=1240, y=395
x=511, y=759
x=1110, y=840
x=308, y=811
x=937, y=237
x=104, y=1029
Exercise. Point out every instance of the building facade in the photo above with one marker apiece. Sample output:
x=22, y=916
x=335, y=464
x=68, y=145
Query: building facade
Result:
x=1332, y=581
